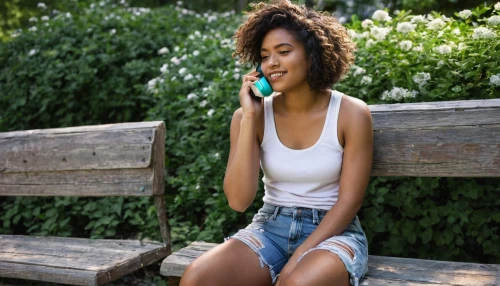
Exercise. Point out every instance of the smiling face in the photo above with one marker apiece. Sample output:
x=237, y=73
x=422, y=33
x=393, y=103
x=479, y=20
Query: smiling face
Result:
x=284, y=61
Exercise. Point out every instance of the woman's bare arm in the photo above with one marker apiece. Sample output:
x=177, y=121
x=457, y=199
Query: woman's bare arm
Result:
x=242, y=172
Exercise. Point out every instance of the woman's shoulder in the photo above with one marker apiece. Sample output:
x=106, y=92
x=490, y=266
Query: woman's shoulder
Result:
x=352, y=106
x=354, y=116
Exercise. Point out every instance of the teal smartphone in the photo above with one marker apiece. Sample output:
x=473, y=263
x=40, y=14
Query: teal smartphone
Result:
x=261, y=88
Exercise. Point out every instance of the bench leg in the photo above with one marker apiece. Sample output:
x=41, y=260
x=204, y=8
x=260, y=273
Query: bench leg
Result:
x=173, y=281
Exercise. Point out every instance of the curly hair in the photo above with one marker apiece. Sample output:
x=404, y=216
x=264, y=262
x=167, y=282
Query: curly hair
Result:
x=329, y=48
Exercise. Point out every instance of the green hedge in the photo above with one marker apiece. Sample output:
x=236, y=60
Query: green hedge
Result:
x=120, y=71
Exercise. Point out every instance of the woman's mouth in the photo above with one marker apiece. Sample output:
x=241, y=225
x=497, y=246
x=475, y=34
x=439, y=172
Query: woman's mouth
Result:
x=276, y=75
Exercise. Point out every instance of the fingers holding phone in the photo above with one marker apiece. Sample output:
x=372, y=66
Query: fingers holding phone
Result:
x=248, y=101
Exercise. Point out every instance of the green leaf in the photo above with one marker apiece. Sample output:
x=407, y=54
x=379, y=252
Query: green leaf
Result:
x=427, y=235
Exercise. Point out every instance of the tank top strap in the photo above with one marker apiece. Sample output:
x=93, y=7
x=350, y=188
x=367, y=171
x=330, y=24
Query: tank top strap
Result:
x=268, y=119
x=335, y=102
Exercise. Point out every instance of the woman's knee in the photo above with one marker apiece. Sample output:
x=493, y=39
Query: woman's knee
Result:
x=194, y=275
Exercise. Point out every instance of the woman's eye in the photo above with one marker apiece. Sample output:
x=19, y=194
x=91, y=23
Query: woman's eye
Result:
x=284, y=52
x=264, y=57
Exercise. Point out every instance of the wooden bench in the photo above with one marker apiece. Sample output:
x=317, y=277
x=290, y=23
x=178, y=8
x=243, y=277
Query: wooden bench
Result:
x=436, y=139
x=105, y=160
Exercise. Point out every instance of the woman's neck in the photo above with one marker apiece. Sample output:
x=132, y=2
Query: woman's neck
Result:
x=301, y=101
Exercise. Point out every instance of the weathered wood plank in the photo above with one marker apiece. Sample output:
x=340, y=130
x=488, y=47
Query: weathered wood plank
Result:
x=159, y=160
x=64, y=158
x=47, y=274
x=382, y=270
x=96, y=190
x=119, y=182
x=104, y=260
x=456, y=139
x=437, y=105
x=89, y=128
x=92, y=149
x=77, y=177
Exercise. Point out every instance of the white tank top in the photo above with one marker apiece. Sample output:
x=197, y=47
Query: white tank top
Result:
x=307, y=177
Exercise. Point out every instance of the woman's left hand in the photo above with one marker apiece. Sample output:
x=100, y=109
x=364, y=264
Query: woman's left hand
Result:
x=289, y=266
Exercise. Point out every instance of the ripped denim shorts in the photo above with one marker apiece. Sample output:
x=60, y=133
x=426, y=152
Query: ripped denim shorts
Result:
x=276, y=232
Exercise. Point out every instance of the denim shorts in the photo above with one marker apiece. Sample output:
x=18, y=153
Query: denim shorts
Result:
x=276, y=232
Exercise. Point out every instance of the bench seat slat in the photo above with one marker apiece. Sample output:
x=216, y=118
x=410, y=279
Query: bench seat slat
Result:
x=63, y=259
x=47, y=274
x=382, y=270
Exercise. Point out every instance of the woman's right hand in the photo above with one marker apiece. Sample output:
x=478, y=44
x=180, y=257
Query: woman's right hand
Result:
x=251, y=104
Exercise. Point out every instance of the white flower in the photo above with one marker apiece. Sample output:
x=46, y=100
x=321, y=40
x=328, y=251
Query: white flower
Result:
x=112, y=32
x=41, y=5
x=495, y=79
x=483, y=33
x=45, y=18
x=418, y=48
x=440, y=63
x=381, y=15
x=210, y=112
x=351, y=33
x=176, y=49
x=366, y=79
x=359, y=71
x=163, y=51
x=32, y=52
x=456, y=32
x=183, y=57
x=33, y=19
x=217, y=155
x=164, y=68
x=405, y=45
x=497, y=6
x=419, y=19
x=465, y=14
x=33, y=29
x=175, y=61
x=421, y=78
x=370, y=43
x=196, y=53
x=179, y=3
x=16, y=33
x=363, y=35
x=436, y=24
x=405, y=27
x=188, y=77
x=192, y=96
x=398, y=93
x=203, y=103
x=494, y=20
x=236, y=76
x=379, y=33
x=182, y=71
x=152, y=84
x=443, y=49
x=366, y=23
x=462, y=46
x=446, y=19
x=211, y=18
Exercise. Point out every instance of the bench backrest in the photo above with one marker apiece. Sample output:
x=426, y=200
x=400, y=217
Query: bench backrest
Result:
x=437, y=139
x=105, y=160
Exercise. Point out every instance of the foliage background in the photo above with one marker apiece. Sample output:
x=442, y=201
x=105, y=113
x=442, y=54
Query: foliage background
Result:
x=113, y=63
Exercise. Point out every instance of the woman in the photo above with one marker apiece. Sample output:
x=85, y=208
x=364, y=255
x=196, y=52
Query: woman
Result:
x=315, y=149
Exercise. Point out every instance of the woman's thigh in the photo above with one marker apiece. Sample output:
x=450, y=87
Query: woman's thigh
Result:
x=318, y=268
x=230, y=263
